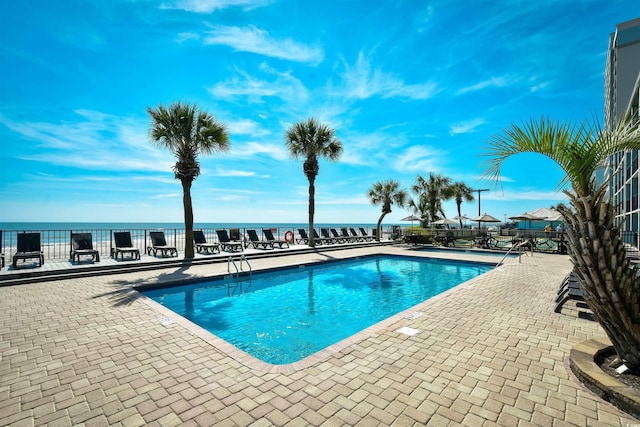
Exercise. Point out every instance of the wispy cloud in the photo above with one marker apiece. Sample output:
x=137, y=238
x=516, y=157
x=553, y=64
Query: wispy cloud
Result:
x=524, y=195
x=468, y=126
x=255, y=40
x=208, y=6
x=363, y=81
x=278, y=152
x=246, y=127
x=372, y=147
x=229, y=172
x=167, y=196
x=182, y=37
x=492, y=82
x=94, y=141
x=273, y=84
x=418, y=158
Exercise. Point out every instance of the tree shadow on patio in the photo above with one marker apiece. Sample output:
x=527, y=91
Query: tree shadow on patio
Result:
x=126, y=291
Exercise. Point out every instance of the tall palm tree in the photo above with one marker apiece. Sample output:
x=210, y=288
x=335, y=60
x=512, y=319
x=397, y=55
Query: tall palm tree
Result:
x=435, y=189
x=310, y=140
x=386, y=193
x=461, y=192
x=187, y=132
x=609, y=282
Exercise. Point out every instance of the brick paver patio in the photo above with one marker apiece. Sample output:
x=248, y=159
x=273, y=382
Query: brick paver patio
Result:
x=490, y=352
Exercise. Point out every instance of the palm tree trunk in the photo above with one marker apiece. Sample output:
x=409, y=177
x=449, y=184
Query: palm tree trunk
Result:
x=386, y=208
x=312, y=209
x=379, y=227
x=605, y=273
x=188, y=219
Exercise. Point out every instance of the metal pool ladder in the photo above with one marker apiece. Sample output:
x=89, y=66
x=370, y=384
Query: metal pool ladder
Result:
x=520, y=249
x=231, y=261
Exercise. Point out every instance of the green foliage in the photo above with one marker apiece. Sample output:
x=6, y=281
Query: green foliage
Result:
x=386, y=193
x=610, y=285
x=187, y=132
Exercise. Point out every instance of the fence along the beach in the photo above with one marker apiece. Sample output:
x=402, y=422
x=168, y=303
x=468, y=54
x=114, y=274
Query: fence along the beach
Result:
x=56, y=244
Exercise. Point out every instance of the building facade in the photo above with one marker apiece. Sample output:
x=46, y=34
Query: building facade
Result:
x=621, y=95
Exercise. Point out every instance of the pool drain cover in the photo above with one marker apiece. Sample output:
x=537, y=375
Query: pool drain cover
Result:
x=165, y=321
x=413, y=316
x=408, y=331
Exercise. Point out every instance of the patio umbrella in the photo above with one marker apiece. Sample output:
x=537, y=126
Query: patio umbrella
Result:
x=444, y=221
x=411, y=218
x=460, y=218
x=485, y=218
x=526, y=217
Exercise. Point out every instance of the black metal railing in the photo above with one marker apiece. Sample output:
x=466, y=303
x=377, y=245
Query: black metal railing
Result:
x=56, y=244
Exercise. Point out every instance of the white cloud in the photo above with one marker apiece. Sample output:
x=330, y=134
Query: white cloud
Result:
x=523, y=195
x=468, y=126
x=233, y=198
x=227, y=172
x=254, y=40
x=418, y=159
x=182, y=37
x=96, y=141
x=363, y=81
x=492, y=82
x=208, y=6
x=246, y=127
x=166, y=196
x=539, y=86
x=283, y=85
x=277, y=152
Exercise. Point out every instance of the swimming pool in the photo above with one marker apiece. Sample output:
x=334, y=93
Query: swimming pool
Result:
x=283, y=316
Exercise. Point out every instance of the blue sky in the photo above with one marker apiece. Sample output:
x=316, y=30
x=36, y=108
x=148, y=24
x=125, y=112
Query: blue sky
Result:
x=410, y=87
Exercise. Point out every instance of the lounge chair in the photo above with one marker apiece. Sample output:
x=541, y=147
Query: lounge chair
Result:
x=570, y=289
x=82, y=244
x=321, y=240
x=304, y=238
x=344, y=233
x=324, y=236
x=366, y=236
x=28, y=247
x=269, y=236
x=336, y=237
x=225, y=242
x=159, y=243
x=256, y=242
x=124, y=246
x=446, y=239
x=1, y=252
x=202, y=245
x=355, y=236
x=234, y=235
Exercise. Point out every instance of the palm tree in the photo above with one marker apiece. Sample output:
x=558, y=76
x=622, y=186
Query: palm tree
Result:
x=420, y=207
x=460, y=191
x=386, y=193
x=609, y=282
x=310, y=140
x=187, y=131
x=435, y=189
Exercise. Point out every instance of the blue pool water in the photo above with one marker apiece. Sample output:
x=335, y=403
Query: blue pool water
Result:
x=286, y=315
x=469, y=251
